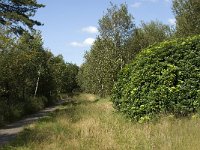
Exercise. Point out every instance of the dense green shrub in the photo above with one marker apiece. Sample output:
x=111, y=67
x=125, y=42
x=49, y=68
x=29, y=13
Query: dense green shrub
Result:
x=162, y=79
x=35, y=104
x=14, y=112
x=2, y=112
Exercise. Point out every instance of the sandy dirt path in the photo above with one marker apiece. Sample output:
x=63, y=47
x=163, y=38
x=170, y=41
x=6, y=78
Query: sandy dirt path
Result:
x=9, y=132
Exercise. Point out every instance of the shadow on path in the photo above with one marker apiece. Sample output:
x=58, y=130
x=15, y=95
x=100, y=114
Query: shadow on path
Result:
x=9, y=132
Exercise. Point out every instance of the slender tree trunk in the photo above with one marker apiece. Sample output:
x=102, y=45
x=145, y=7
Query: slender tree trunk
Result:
x=36, y=87
x=37, y=83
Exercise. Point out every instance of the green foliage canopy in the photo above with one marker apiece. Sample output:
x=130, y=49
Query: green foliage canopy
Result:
x=187, y=13
x=118, y=43
x=109, y=52
x=25, y=67
x=148, y=34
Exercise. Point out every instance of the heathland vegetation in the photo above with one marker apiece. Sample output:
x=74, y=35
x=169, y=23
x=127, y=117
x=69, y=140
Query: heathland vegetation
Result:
x=90, y=123
x=150, y=73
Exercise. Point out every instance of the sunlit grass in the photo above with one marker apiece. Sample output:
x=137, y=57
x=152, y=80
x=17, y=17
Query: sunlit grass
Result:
x=91, y=123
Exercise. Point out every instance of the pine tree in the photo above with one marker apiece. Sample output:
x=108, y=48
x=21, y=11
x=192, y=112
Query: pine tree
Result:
x=16, y=14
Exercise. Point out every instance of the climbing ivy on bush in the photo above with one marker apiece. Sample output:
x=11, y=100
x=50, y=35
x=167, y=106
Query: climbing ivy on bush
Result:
x=162, y=79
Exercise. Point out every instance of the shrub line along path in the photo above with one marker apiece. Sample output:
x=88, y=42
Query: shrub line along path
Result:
x=10, y=131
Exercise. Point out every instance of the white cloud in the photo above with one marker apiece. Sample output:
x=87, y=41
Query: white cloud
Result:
x=86, y=42
x=76, y=44
x=172, y=21
x=136, y=5
x=90, y=29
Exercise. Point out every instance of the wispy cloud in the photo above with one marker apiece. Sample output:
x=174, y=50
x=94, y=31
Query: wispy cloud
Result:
x=153, y=1
x=85, y=43
x=90, y=29
x=172, y=21
x=150, y=1
x=136, y=4
x=142, y=2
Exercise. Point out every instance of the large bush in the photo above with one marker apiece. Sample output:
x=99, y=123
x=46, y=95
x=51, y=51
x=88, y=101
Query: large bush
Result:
x=35, y=104
x=162, y=79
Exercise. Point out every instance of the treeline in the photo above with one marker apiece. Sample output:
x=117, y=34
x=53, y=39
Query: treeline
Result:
x=31, y=77
x=119, y=42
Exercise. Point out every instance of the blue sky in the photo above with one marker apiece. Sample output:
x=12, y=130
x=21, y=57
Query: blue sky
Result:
x=70, y=26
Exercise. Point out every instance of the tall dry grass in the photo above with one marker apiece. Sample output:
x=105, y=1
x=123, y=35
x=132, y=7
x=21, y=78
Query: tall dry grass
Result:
x=91, y=123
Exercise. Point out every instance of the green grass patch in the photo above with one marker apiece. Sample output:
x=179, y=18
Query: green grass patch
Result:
x=90, y=123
